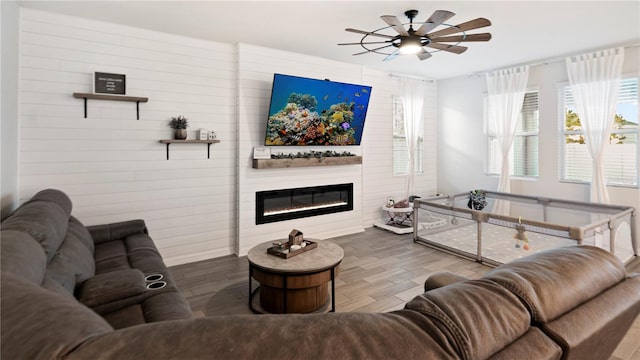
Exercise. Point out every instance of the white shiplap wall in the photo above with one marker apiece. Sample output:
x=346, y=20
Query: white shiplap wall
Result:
x=112, y=165
x=256, y=67
x=114, y=169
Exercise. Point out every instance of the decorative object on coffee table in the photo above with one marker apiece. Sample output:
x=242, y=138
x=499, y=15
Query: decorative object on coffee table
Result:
x=294, y=246
x=180, y=125
x=287, y=251
x=295, y=237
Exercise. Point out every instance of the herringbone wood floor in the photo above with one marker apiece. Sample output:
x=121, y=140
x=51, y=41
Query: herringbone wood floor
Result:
x=380, y=272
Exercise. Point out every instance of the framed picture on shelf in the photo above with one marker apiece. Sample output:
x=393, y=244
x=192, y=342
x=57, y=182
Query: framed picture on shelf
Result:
x=106, y=83
x=261, y=153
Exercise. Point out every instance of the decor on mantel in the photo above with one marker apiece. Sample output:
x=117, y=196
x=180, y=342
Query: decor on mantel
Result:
x=311, y=154
x=180, y=124
x=403, y=41
x=312, y=158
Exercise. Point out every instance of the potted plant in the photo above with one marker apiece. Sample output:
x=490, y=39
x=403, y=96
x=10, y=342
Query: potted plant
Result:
x=180, y=124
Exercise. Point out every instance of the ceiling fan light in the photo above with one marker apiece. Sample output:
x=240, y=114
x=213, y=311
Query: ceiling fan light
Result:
x=410, y=46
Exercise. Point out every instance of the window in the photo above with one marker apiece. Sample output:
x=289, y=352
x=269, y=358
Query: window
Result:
x=400, y=150
x=524, y=151
x=621, y=162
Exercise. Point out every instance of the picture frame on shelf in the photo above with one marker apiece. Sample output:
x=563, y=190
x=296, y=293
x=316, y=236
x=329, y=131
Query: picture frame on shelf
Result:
x=203, y=134
x=107, y=83
x=261, y=153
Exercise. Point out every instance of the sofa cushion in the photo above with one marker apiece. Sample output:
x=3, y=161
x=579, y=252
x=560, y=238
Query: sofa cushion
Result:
x=71, y=264
x=441, y=279
x=112, y=286
x=533, y=342
x=53, y=284
x=39, y=324
x=168, y=305
x=117, y=231
x=80, y=232
x=135, y=251
x=58, y=271
x=478, y=317
x=582, y=272
x=125, y=317
x=22, y=255
x=110, y=256
x=46, y=221
x=580, y=331
x=55, y=196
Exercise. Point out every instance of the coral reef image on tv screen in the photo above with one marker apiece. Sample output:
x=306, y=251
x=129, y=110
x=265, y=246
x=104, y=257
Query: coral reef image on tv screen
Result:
x=307, y=111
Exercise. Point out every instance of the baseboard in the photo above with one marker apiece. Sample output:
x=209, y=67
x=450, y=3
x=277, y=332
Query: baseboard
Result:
x=205, y=255
x=340, y=232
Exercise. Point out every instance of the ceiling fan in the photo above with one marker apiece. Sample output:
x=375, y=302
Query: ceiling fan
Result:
x=412, y=41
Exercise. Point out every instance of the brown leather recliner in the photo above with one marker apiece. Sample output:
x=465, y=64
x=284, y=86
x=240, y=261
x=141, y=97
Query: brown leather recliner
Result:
x=579, y=296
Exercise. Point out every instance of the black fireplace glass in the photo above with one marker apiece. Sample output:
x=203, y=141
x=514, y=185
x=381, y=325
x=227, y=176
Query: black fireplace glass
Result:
x=286, y=204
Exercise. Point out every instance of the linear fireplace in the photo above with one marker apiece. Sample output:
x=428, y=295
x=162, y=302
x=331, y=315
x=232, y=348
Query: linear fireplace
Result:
x=286, y=204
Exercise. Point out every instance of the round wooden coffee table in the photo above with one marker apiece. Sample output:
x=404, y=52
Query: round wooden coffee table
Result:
x=295, y=285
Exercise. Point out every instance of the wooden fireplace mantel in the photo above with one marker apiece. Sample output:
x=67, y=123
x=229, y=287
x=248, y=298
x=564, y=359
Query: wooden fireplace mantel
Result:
x=305, y=162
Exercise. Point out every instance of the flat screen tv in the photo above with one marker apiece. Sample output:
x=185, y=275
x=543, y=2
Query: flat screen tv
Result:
x=307, y=112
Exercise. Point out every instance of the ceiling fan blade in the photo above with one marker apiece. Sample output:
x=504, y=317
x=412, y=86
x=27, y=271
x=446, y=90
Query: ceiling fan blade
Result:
x=437, y=18
x=458, y=38
x=365, y=43
x=395, y=24
x=449, y=48
x=466, y=26
x=369, y=33
x=391, y=56
x=423, y=54
x=364, y=52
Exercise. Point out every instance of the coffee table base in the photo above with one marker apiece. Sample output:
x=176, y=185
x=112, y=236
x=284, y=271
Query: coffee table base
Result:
x=292, y=293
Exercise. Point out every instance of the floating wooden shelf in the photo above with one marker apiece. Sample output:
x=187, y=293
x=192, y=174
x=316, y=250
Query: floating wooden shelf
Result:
x=304, y=162
x=208, y=142
x=92, y=96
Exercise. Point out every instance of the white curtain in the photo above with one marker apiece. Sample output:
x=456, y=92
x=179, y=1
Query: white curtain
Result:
x=595, y=80
x=413, y=93
x=506, y=89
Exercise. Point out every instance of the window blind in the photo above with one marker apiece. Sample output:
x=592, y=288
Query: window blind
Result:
x=400, y=149
x=621, y=156
x=524, y=151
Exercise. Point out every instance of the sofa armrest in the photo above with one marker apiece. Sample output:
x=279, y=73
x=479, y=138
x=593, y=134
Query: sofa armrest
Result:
x=441, y=279
x=116, y=231
x=112, y=286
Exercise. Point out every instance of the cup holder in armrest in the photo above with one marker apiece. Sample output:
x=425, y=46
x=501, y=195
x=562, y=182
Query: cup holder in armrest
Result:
x=156, y=285
x=153, y=277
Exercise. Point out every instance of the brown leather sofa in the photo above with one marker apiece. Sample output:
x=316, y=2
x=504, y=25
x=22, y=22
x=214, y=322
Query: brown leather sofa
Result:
x=568, y=303
x=105, y=267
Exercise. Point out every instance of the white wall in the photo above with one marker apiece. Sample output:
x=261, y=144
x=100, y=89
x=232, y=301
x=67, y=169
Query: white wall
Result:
x=114, y=169
x=112, y=165
x=379, y=182
x=462, y=146
x=9, y=15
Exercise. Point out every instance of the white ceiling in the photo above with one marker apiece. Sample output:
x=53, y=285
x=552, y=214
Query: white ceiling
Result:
x=523, y=31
